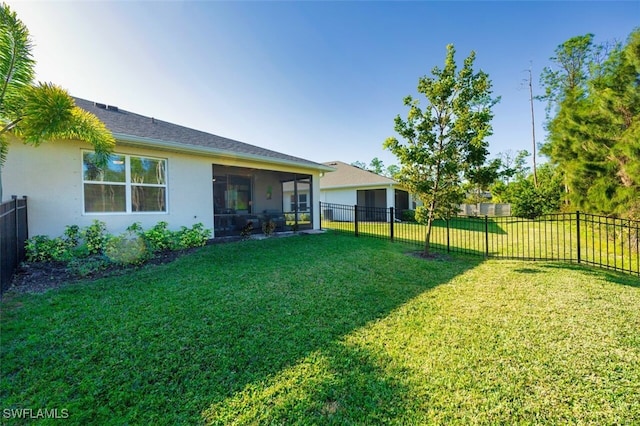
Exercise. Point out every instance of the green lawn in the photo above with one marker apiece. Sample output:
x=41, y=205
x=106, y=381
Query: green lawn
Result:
x=329, y=329
x=510, y=237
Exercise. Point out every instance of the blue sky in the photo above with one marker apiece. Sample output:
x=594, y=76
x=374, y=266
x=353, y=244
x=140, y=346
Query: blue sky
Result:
x=319, y=80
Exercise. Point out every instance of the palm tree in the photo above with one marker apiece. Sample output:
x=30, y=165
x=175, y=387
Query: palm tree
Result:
x=37, y=112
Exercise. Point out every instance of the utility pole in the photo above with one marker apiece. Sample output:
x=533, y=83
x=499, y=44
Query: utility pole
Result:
x=533, y=130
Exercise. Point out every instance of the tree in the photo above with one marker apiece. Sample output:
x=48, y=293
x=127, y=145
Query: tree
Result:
x=360, y=165
x=481, y=178
x=511, y=167
x=446, y=139
x=530, y=200
x=37, y=112
x=594, y=136
x=377, y=166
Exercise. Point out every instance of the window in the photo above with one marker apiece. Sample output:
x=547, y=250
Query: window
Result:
x=232, y=193
x=127, y=184
x=303, y=206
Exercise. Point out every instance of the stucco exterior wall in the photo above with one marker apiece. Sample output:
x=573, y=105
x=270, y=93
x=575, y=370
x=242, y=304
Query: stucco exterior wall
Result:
x=339, y=196
x=51, y=177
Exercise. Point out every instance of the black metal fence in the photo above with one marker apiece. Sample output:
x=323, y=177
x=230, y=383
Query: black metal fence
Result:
x=13, y=234
x=570, y=237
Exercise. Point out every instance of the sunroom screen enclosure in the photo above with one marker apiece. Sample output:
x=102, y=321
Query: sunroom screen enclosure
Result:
x=244, y=199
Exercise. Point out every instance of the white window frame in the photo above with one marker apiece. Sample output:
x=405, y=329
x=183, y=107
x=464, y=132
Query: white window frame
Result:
x=128, y=185
x=296, y=202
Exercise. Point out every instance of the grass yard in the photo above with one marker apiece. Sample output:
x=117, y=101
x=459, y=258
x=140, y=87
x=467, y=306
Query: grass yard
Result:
x=328, y=329
x=510, y=237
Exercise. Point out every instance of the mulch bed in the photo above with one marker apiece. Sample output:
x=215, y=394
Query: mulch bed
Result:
x=38, y=277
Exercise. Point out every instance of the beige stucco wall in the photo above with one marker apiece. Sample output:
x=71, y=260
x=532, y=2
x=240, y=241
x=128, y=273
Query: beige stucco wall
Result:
x=51, y=177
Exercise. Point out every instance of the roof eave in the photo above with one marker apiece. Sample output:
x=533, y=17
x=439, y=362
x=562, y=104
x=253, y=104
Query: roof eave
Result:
x=362, y=185
x=139, y=141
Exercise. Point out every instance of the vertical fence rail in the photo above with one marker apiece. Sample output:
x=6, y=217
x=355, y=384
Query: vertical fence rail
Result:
x=14, y=232
x=569, y=237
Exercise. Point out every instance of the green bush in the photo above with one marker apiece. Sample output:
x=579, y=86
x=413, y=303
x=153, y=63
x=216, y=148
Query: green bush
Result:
x=88, y=265
x=268, y=227
x=159, y=238
x=95, y=237
x=41, y=248
x=127, y=249
x=421, y=214
x=409, y=215
x=92, y=249
x=246, y=230
x=197, y=236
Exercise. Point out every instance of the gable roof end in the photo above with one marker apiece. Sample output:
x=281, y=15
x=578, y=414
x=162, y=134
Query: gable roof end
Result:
x=347, y=175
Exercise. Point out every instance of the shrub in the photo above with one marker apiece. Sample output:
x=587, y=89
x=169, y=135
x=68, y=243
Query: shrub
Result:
x=41, y=248
x=87, y=266
x=158, y=238
x=197, y=236
x=246, y=230
x=96, y=237
x=409, y=215
x=268, y=227
x=92, y=249
x=127, y=249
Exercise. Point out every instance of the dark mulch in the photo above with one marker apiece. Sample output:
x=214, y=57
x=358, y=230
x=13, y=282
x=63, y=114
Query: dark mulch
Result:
x=38, y=277
x=431, y=256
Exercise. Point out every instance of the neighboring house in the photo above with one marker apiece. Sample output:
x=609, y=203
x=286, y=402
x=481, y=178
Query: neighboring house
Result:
x=160, y=172
x=351, y=185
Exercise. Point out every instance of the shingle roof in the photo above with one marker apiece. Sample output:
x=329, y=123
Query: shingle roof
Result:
x=347, y=175
x=124, y=123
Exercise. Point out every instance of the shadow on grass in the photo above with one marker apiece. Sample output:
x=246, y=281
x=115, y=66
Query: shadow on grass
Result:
x=608, y=275
x=471, y=223
x=181, y=342
x=339, y=384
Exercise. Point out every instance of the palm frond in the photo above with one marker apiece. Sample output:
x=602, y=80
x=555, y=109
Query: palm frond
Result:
x=16, y=60
x=46, y=113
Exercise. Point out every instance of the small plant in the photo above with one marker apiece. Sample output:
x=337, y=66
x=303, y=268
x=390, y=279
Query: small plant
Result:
x=96, y=237
x=268, y=227
x=246, y=230
x=41, y=248
x=409, y=215
x=197, y=236
x=127, y=249
x=158, y=238
x=72, y=235
x=87, y=266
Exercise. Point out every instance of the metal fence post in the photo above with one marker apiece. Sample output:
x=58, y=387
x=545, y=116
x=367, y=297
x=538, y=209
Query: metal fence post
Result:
x=16, y=225
x=578, y=232
x=391, y=221
x=355, y=219
x=320, y=213
x=448, y=240
x=486, y=236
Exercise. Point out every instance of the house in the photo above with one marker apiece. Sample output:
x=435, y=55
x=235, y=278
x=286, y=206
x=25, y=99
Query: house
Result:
x=161, y=171
x=351, y=185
